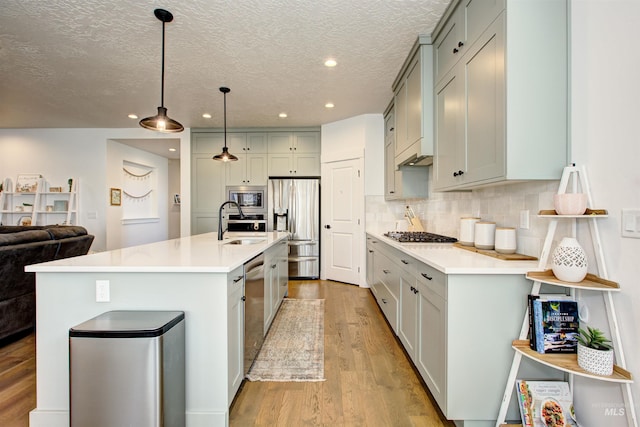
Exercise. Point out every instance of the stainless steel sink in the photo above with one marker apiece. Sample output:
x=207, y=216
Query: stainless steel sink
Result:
x=245, y=241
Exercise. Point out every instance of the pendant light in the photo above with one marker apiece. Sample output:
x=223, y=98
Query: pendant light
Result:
x=161, y=122
x=225, y=156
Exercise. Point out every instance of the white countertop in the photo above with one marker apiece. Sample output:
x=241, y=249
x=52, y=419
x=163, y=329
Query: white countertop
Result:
x=202, y=253
x=451, y=260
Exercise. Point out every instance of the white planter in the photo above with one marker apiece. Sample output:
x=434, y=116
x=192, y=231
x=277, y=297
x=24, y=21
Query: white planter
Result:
x=569, y=261
x=599, y=362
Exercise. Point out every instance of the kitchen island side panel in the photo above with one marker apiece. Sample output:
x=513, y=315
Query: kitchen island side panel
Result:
x=66, y=299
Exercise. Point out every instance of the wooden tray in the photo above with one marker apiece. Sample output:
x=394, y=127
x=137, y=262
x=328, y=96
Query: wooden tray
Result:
x=494, y=254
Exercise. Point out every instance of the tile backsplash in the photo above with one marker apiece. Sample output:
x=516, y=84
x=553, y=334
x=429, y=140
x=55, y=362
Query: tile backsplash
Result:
x=503, y=204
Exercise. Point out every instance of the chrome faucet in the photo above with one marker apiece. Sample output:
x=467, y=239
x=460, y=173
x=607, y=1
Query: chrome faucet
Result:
x=228, y=202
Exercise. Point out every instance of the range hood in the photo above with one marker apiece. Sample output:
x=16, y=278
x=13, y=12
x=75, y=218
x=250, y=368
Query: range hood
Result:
x=415, y=160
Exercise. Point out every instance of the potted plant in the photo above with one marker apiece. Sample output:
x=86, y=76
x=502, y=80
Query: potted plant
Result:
x=595, y=354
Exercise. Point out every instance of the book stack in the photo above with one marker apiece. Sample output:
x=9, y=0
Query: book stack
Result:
x=545, y=403
x=553, y=324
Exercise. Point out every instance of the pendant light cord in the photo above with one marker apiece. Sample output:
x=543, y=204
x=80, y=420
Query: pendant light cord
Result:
x=225, y=119
x=162, y=77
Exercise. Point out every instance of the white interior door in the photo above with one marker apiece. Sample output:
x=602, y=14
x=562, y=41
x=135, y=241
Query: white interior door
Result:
x=342, y=220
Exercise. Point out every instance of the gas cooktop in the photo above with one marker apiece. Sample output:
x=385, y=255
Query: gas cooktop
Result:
x=419, y=237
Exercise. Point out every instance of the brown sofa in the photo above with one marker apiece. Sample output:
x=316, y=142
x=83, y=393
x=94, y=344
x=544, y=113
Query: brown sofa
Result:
x=21, y=246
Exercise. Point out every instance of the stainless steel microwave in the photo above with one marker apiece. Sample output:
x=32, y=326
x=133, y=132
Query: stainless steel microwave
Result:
x=251, y=199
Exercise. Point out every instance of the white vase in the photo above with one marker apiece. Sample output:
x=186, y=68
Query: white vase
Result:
x=599, y=362
x=569, y=261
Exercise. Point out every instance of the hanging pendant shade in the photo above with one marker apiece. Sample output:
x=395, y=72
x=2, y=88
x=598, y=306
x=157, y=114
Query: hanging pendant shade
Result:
x=161, y=122
x=225, y=156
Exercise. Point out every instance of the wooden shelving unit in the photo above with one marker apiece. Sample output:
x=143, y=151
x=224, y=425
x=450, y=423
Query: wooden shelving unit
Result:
x=592, y=283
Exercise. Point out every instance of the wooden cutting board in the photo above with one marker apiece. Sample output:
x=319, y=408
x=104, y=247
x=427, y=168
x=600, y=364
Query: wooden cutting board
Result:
x=494, y=254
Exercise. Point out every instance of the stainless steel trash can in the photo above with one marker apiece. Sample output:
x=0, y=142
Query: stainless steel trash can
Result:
x=127, y=368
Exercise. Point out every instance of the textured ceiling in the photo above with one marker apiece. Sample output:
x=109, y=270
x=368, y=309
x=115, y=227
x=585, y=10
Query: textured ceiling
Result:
x=90, y=63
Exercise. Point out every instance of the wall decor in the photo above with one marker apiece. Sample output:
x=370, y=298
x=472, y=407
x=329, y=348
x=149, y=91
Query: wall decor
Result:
x=139, y=191
x=116, y=197
x=27, y=182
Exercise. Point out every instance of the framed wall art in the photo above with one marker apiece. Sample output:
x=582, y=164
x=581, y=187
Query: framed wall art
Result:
x=115, y=197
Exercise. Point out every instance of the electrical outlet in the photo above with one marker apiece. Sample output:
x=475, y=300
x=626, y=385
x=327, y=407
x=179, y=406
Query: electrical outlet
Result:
x=102, y=291
x=524, y=220
x=631, y=223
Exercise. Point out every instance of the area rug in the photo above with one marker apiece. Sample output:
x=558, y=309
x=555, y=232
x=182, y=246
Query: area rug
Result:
x=293, y=349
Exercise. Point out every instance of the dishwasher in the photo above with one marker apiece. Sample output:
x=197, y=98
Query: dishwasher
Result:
x=253, y=309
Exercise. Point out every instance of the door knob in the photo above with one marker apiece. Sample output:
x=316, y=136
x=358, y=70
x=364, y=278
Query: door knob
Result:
x=327, y=226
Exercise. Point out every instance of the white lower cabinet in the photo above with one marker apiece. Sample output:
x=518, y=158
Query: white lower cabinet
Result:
x=453, y=327
x=276, y=280
x=235, y=337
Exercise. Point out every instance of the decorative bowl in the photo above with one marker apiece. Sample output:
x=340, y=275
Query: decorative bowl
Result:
x=570, y=203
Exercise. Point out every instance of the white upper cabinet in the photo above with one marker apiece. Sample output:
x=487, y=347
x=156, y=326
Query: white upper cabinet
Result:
x=294, y=154
x=501, y=93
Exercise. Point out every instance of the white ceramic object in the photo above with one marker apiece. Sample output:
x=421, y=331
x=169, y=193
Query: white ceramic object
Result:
x=599, y=362
x=467, y=226
x=569, y=261
x=484, y=235
x=570, y=203
x=505, y=241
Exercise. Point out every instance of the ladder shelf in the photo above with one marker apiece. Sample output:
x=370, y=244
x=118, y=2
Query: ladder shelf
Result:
x=592, y=283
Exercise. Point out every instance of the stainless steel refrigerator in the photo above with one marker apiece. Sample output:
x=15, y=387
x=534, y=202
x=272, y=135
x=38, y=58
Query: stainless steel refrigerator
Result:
x=294, y=206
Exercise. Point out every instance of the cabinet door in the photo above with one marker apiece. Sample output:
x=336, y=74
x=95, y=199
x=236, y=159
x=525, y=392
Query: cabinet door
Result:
x=275, y=285
x=485, y=105
x=306, y=142
x=257, y=143
x=280, y=164
x=280, y=142
x=432, y=350
x=256, y=169
x=414, y=102
x=236, y=172
x=235, y=338
x=449, y=45
x=400, y=104
x=408, y=318
x=389, y=172
x=236, y=143
x=306, y=164
x=207, y=192
x=449, y=150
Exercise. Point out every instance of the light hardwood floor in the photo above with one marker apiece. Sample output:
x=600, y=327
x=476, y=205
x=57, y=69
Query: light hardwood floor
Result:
x=370, y=381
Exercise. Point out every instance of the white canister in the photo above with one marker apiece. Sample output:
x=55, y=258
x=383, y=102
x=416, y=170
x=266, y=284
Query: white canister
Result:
x=484, y=234
x=467, y=227
x=505, y=241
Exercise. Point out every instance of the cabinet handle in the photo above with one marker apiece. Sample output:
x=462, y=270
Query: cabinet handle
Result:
x=386, y=271
x=248, y=148
x=370, y=251
x=460, y=44
x=384, y=301
x=426, y=276
x=237, y=279
x=274, y=266
x=391, y=192
x=290, y=148
x=459, y=173
x=392, y=129
x=455, y=50
x=404, y=262
x=243, y=298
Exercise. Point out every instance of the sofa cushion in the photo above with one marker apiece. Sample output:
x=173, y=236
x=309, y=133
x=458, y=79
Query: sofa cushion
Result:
x=21, y=237
x=15, y=228
x=64, y=231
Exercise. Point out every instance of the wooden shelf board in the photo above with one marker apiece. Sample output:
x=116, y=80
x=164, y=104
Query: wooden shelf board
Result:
x=590, y=213
x=494, y=254
x=569, y=363
x=591, y=281
x=510, y=425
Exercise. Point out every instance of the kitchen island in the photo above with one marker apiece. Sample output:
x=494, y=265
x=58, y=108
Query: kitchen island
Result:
x=193, y=274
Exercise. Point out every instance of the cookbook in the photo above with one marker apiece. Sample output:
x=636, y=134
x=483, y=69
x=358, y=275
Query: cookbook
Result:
x=545, y=403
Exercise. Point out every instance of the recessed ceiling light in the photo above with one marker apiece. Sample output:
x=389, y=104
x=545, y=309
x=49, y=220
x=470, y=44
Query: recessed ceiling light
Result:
x=206, y=115
x=329, y=105
x=132, y=116
x=282, y=115
x=330, y=63
x=172, y=149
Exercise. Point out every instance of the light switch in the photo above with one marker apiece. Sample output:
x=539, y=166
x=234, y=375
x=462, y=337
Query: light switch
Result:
x=524, y=220
x=631, y=223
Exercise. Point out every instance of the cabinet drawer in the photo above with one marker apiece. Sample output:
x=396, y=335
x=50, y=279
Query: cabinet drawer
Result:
x=388, y=273
x=235, y=279
x=432, y=279
x=389, y=306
